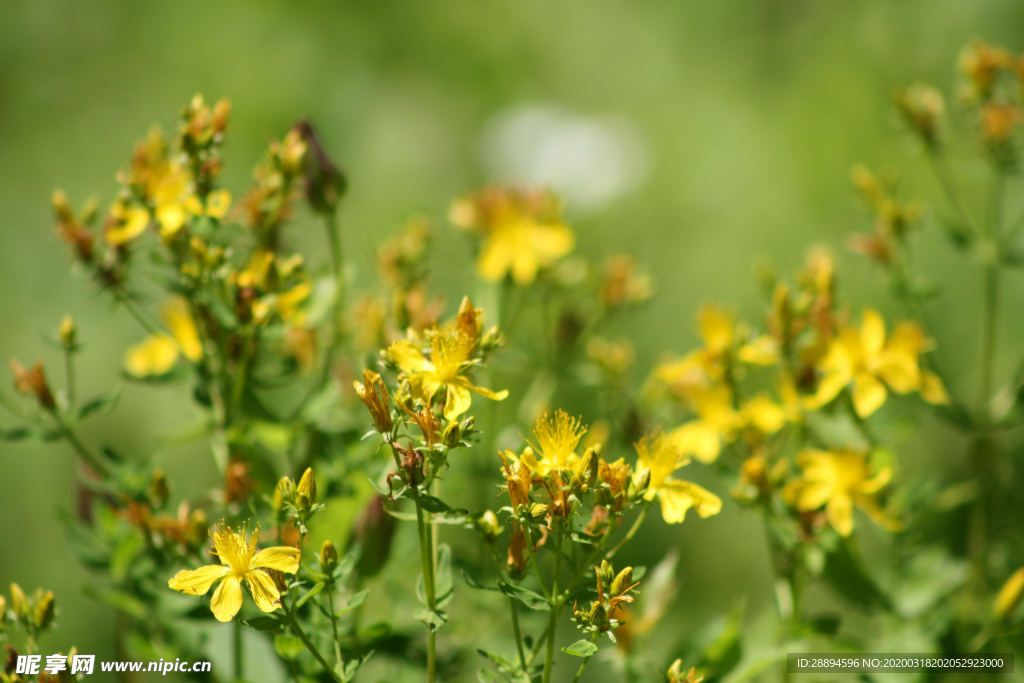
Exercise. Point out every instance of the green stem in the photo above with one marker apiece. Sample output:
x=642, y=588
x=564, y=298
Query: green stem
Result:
x=517, y=633
x=137, y=313
x=632, y=530
x=334, y=625
x=427, y=560
x=555, y=603
x=310, y=646
x=241, y=375
x=69, y=371
x=538, y=645
x=586, y=660
x=939, y=165
x=90, y=458
x=237, y=650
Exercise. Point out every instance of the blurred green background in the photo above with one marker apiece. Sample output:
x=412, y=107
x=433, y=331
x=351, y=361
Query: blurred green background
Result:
x=737, y=124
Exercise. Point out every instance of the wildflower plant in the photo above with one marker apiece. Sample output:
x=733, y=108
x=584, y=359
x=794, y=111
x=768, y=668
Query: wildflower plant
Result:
x=394, y=472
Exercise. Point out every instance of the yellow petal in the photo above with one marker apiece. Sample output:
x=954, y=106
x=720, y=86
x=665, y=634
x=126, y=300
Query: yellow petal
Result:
x=899, y=370
x=487, y=393
x=132, y=223
x=840, y=514
x=552, y=241
x=154, y=356
x=217, y=203
x=179, y=321
x=872, y=332
x=227, y=599
x=932, y=389
x=405, y=354
x=281, y=558
x=263, y=590
x=697, y=439
x=170, y=217
x=766, y=415
x=679, y=496
x=458, y=399
x=828, y=388
x=197, y=581
x=868, y=394
x=762, y=351
x=716, y=328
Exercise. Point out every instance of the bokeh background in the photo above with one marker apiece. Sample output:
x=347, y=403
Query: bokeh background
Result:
x=699, y=136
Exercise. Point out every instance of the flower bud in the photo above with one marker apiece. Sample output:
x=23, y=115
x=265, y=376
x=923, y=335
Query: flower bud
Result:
x=374, y=395
x=623, y=582
x=923, y=108
x=403, y=397
x=3, y=612
x=606, y=573
x=598, y=615
x=538, y=511
x=488, y=525
x=492, y=339
x=452, y=435
x=639, y=485
x=19, y=601
x=588, y=467
x=467, y=425
x=1009, y=596
x=325, y=184
x=284, y=492
x=68, y=334
x=42, y=615
x=306, y=490
x=328, y=557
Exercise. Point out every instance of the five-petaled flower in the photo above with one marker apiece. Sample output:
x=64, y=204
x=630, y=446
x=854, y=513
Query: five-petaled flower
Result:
x=839, y=480
x=660, y=455
x=239, y=560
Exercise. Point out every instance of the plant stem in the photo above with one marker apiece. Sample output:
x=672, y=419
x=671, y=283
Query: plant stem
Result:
x=90, y=458
x=517, y=633
x=427, y=560
x=586, y=660
x=632, y=530
x=69, y=371
x=237, y=649
x=310, y=646
x=555, y=603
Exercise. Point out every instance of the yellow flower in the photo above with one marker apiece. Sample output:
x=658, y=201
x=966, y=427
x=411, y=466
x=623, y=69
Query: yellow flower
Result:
x=839, y=480
x=862, y=356
x=125, y=223
x=557, y=438
x=450, y=351
x=716, y=423
x=522, y=232
x=659, y=455
x=238, y=560
x=158, y=353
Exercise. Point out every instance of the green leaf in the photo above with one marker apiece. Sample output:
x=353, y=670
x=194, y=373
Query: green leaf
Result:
x=487, y=676
x=16, y=434
x=312, y=592
x=288, y=646
x=444, y=587
x=263, y=624
x=99, y=406
x=353, y=602
x=502, y=663
x=436, y=505
x=524, y=595
x=845, y=575
x=434, y=619
x=473, y=582
x=581, y=648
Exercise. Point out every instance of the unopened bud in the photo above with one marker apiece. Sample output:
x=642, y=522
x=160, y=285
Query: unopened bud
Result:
x=33, y=383
x=538, y=511
x=68, y=333
x=452, y=435
x=328, y=557
x=467, y=425
x=42, y=615
x=492, y=339
x=588, y=467
x=19, y=601
x=306, y=490
x=606, y=572
x=598, y=615
x=622, y=582
x=488, y=525
x=325, y=183
x=284, y=492
x=1009, y=596
x=3, y=612
x=639, y=485
x=403, y=397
